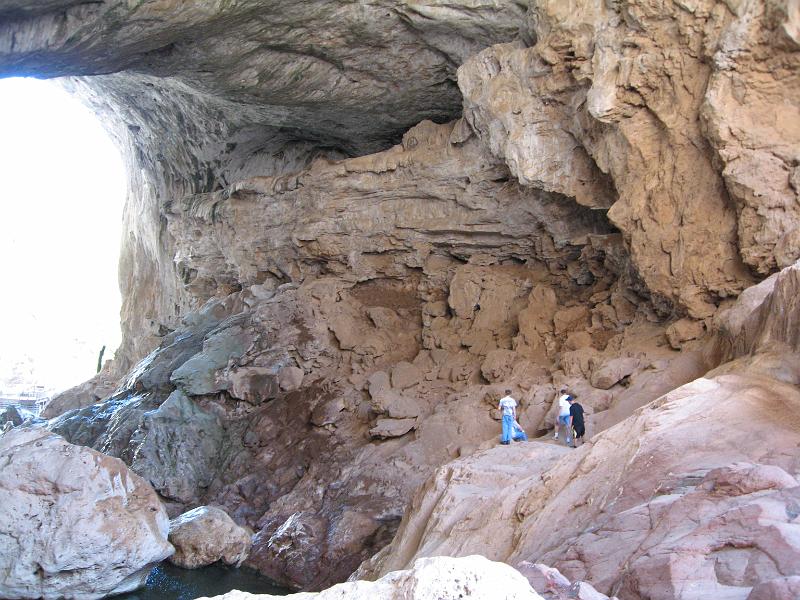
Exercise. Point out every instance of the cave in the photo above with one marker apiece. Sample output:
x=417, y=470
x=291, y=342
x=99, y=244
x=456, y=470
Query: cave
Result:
x=352, y=228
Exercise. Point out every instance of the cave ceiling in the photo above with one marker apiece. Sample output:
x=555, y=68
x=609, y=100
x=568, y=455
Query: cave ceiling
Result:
x=346, y=75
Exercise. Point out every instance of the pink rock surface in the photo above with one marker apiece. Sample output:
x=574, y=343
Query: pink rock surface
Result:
x=74, y=523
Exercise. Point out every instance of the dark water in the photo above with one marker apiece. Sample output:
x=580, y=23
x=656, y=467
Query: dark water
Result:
x=168, y=582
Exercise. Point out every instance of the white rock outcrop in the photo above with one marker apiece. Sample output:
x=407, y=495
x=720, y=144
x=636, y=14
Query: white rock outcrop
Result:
x=205, y=535
x=439, y=578
x=74, y=523
x=552, y=585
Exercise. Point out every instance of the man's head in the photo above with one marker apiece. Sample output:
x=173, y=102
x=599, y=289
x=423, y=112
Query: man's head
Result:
x=564, y=390
x=570, y=398
x=508, y=391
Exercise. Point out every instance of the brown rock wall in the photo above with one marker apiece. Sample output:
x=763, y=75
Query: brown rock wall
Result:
x=659, y=114
x=420, y=207
x=642, y=110
x=694, y=495
x=201, y=95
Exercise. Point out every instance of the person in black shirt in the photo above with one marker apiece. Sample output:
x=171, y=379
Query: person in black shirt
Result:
x=575, y=422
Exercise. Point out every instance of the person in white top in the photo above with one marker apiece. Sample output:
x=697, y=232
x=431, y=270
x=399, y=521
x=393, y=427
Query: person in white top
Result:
x=563, y=414
x=508, y=406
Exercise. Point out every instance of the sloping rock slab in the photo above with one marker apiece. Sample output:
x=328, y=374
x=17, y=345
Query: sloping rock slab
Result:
x=467, y=506
x=694, y=496
x=10, y=414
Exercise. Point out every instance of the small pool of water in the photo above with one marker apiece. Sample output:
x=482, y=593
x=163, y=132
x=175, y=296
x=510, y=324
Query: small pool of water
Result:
x=168, y=582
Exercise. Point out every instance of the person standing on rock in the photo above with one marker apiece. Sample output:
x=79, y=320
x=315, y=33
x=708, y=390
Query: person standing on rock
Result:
x=576, y=423
x=563, y=414
x=508, y=406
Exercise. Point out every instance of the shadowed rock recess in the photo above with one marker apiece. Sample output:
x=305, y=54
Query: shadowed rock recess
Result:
x=352, y=226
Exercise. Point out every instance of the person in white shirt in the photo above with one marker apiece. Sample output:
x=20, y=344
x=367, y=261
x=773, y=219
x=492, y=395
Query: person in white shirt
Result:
x=563, y=415
x=508, y=406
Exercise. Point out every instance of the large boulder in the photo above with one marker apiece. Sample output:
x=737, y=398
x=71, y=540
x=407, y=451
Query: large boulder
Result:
x=10, y=414
x=613, y=371
x=74, y=523
x=439, y=578
x=205, y=535
x=178, y=451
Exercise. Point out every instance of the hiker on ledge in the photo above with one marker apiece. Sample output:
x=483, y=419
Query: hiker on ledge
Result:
x=562, y=419
x=576, y=424
x=508, y=406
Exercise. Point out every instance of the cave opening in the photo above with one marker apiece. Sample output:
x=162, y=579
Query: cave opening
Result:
x=63, y=191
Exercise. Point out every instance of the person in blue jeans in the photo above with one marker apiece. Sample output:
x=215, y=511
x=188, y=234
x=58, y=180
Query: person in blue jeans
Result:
x=562, y=420
x=508, y=406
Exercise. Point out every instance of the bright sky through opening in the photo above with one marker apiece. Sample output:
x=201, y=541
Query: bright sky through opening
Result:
x=63, y=187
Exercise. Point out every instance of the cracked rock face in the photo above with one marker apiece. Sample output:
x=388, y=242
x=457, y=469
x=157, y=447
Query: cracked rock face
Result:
x=414, y=210
x=665, y=116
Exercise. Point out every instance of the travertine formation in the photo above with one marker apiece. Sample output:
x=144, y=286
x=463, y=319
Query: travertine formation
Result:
x=663, y=115
x=352, y=227
x=73, y=522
